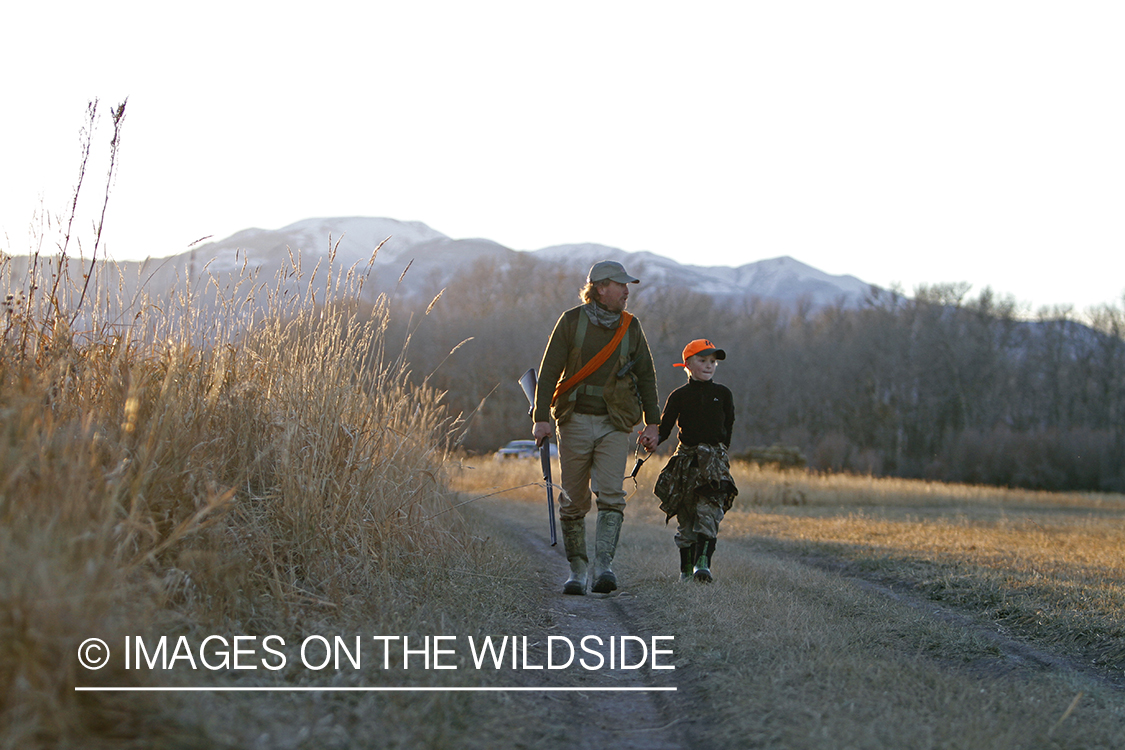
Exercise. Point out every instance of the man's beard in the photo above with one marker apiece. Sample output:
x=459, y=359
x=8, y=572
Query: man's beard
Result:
x=617, y=307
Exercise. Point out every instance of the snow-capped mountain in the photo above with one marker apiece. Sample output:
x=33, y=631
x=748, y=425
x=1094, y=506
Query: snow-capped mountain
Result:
x=435, y=259
x=781, y=279
x=354, y=240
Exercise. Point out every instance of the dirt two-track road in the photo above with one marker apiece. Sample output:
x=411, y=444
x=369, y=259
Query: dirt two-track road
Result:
x=790, y=652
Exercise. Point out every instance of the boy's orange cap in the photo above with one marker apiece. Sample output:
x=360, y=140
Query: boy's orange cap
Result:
x=700, y=346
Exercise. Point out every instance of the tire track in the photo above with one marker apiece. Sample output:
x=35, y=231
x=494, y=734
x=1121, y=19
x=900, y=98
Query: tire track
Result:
x=599, y=719
x=1018, y=654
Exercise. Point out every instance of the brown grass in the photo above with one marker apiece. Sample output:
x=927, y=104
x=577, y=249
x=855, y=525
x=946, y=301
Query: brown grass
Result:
x=785, y=650
x=1046, y=565
x=185, y=475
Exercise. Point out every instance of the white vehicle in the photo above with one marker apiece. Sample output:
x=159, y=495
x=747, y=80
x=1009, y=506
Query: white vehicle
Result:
x=523, y=449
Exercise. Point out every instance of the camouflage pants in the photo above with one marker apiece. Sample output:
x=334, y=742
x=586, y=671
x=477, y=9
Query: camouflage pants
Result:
x=696, y=487
x=698, y=519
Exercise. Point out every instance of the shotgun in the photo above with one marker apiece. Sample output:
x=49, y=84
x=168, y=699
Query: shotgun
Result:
x=527, y=382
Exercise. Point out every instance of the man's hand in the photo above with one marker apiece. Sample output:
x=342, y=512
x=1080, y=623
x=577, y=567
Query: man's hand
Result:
x=650, y=437
x=540, y=431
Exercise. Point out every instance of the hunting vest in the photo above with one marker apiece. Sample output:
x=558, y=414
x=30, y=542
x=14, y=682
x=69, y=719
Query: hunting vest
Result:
x=622, y=399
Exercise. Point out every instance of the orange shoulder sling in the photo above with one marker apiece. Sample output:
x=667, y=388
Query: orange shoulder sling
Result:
x=599, y=359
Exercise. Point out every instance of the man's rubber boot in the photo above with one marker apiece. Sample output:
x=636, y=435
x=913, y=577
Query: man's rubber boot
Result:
x=702, y=572
x=574, y=541
x=609, y=530
x=687, y=562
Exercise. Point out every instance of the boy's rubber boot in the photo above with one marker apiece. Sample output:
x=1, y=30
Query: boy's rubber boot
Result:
x=702, y=572
x=687, y=562
x=574, y=542
x=605, y=545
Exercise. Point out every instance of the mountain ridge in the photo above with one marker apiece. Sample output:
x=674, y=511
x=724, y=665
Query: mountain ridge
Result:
x=435, y=259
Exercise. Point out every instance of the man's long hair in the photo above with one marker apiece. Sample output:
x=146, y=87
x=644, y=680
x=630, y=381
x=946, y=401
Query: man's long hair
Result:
x=592, y=291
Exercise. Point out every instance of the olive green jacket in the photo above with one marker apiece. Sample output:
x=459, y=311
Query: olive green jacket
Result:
x=602, y=392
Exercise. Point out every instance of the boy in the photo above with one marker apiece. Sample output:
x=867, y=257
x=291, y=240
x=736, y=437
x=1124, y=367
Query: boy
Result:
x=695, y=485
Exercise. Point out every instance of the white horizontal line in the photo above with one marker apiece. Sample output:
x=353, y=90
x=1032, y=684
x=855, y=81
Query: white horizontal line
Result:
x=371, y=689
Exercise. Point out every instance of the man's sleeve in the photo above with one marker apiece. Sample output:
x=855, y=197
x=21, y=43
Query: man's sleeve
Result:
x=646, y=379
x=550, y=370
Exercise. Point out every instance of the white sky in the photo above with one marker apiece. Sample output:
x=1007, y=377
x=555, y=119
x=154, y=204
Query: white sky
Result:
x=898, y=141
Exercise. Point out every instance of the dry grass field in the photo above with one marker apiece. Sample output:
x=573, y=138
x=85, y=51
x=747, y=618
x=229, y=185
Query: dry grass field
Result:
x=1047, y=566
x=177, y=476
x=292, y=482
x=852, y=612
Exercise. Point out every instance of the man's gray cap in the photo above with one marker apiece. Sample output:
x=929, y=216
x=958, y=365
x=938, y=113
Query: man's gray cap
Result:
x=612, y=270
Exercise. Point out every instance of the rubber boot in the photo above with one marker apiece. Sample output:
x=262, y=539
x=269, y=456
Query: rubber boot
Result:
x=702, y=572
x=609, y=530
x=574, y=541
x=687, y=562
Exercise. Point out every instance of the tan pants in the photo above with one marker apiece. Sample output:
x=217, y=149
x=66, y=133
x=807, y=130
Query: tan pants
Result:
x=592, y=454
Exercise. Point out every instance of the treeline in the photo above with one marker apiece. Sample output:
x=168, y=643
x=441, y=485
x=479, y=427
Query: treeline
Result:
x=943, y=385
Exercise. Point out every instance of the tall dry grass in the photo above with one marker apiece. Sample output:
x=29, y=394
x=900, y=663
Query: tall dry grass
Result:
x=187, y=468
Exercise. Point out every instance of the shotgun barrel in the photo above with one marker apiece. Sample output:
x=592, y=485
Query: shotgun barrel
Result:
x=527, y=382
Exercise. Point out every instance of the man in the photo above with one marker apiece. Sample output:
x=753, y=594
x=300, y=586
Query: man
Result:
x=598, y=381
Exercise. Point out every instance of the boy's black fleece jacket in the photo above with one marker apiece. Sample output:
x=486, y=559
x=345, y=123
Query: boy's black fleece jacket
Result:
x=704, y=410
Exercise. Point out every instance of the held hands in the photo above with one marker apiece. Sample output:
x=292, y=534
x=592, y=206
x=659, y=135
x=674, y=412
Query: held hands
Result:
x=650, y=437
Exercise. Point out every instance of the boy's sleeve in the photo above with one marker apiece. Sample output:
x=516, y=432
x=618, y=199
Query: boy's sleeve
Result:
x=728, y=418
x=668, y=419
